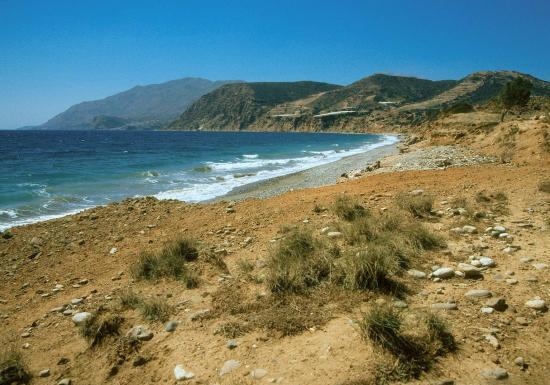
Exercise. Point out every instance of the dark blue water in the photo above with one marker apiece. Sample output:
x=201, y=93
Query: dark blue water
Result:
x=50, y=173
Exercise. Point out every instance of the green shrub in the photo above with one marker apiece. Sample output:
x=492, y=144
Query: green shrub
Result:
x=349, y=209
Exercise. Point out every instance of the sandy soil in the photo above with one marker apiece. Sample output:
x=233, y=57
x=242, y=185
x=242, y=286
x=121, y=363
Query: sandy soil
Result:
x=78, y=253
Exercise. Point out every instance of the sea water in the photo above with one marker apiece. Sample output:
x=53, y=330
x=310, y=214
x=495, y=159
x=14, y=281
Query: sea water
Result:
x=47, y=174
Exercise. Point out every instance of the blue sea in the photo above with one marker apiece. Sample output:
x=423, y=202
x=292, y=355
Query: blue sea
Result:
x=47, y=174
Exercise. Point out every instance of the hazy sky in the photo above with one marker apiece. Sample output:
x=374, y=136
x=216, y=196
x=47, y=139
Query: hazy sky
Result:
x=57, y=53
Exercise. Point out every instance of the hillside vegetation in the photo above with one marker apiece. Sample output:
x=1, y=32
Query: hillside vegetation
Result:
x=375, y=103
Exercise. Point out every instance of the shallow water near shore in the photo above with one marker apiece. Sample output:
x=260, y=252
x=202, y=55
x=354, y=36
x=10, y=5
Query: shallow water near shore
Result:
x=47, y=174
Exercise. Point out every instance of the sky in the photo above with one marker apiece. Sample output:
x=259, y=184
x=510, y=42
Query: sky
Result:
x=56, y=53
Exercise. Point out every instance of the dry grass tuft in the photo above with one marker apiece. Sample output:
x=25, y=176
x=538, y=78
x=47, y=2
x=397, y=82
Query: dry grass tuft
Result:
x=169, y=262
x=99, y=327
x=13, y=369
x=413, y=353
x=297, y=262
x=156, y=309
x=420, y=206
x=349, y=209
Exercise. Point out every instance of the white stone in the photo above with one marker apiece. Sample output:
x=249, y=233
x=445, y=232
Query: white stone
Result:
x=334, y=234
x=258, y=373
x=536, y=303
x=479, y=293
x=181, y=374
x=229, y=366
x=113, y=250
x=487, y=262
x=444, y=272
x=80, y=318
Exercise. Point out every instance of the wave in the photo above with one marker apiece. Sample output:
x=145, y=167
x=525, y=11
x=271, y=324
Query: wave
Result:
x=198, y=192
x=189, y=186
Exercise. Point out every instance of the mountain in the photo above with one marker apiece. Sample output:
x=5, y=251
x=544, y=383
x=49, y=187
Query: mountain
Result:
x=370, y=104
x=377, y=88
x=237, y=106
x=142, y=107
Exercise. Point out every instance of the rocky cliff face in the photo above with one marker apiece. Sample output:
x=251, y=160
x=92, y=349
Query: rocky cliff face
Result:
x=239, y=106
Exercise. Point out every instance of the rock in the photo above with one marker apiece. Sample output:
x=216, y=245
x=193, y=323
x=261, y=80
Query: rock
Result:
x=519, y=361
x=181, y=374
x=469, y=271
x=201, y=314
x=64, y=381
x=325, y=230
x=536, y=303
x=499, y=229
x=77, y=301
x=522, y=321
x=540, y=266
x=475, y=263
x=444, y=272
x=525, y=259
x=140, y=333
x=229, y=366
x=444, y=306
x=82, y=317
x=479, y=293
x=416, y=192
x=511, y=281
x=469, y=229
x=258, y=373
x=113, y=250
x=492, y=340
x=417, y=274
x=25, y=335
x=334, y=234
x=44, y=373
x=510, y=249
x=170, y=326
x=487, y=262
x=232, y=344
x=495, y=374
x=497, y=303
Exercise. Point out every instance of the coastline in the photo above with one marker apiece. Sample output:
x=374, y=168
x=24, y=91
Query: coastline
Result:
x=318, y=176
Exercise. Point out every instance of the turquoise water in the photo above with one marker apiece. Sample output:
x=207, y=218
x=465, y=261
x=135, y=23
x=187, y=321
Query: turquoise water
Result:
x=46, y=174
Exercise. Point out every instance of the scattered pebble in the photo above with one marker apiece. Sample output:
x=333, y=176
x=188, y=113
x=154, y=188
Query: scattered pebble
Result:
x=181, y=374
x=229, y=366
x=496, y=374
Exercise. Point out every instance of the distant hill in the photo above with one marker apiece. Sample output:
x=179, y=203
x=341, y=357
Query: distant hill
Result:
x=142, y=107
x=377, y=88
x=370, y=104
x=237, y=106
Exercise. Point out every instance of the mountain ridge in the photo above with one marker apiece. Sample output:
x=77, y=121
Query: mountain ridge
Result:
x=140, y=107
x=364, y=105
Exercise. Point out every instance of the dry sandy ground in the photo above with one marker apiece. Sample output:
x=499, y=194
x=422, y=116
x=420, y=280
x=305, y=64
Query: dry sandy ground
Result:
x=68, y=250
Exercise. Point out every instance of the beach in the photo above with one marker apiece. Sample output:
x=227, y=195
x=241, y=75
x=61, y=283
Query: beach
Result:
x=317, y=176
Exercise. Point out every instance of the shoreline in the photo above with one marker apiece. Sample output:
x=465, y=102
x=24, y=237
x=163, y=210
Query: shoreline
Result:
x=316, y=176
